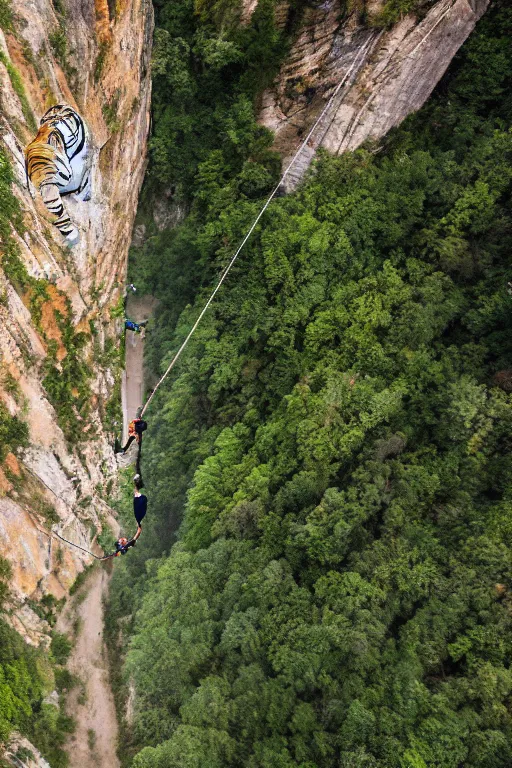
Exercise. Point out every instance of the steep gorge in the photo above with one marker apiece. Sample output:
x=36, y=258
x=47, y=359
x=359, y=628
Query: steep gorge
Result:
x=60, y=330
x=97, y=59
x=61, y=307
x=334, y=441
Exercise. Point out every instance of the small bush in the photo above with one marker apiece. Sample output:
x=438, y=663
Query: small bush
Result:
x=13, y=432
x=60, y=648
x=59, y=44
x=80, y=579
x=100, y=60
x=6, y=16
x=64, y=680
x=17, y=84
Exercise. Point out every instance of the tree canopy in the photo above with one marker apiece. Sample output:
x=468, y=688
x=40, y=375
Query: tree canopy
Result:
x=336, y=442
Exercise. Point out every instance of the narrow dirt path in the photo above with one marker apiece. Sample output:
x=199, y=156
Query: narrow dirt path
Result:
x=91, y=704
x=94, y=743
x=138, y=309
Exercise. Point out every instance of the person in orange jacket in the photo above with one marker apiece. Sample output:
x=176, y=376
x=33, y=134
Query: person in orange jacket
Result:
x=135, y=429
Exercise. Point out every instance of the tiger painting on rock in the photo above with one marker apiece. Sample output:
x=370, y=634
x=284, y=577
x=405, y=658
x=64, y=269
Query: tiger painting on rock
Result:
x=58, y=163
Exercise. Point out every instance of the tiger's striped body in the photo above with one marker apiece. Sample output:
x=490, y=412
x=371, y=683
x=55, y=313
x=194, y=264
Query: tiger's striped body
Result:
x=58, y=164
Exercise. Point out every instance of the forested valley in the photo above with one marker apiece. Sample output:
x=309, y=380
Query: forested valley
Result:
x=325, y=574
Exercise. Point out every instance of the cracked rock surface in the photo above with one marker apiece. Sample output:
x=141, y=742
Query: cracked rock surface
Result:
x=384, y=74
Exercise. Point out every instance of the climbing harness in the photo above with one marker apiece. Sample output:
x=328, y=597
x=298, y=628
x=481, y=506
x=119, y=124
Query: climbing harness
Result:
x=251, y=230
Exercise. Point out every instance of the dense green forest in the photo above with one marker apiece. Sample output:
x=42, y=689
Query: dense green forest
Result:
x=336, y=443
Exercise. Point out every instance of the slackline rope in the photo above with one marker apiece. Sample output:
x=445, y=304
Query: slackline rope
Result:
x=54, y=533
x=357, y=61
x=77, y=546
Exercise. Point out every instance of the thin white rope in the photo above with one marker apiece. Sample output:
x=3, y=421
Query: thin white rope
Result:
x=254, y=225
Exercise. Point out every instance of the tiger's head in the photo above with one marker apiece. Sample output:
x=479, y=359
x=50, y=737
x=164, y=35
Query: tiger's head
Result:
x=56, y=113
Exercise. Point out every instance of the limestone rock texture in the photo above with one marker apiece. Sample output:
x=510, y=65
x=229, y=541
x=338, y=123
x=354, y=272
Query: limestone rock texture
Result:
x=22, y=754
x=65, y=315
x=378, y=76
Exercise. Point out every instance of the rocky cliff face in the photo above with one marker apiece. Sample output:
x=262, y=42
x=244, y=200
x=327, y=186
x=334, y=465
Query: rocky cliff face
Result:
x=22, y=754
x=60, y=309
x=384, y=74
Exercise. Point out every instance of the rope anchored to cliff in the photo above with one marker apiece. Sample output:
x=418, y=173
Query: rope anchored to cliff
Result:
x=77, y=546
x=122, y=545
x=356, y=63
x=54, y=534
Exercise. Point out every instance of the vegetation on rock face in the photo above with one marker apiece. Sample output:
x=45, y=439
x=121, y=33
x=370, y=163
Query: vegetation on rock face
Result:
x=13, y=432
x=17, y=83
x=9, y=208
x=67, y=379
x=394, y=10
x=6, y=16
x=25, y=680
x=67, y=382
x=26, y=675
x=334, y=441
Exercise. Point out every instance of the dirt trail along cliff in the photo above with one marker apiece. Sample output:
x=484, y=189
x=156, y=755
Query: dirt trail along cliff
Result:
x=137, y=309
x=94, y=742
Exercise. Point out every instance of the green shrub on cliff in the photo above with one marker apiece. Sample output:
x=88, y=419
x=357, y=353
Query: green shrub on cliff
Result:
x=6, y=16
x=24, y=683
x=13, y=432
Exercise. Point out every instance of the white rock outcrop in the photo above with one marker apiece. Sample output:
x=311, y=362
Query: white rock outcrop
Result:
x=385, y=74
x=20, y=753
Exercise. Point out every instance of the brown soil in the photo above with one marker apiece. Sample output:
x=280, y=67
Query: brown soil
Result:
x=12, y=464
x=52, y=331
x=94, y=742
x=138, y=309
x=102, y=21
x=5, y=484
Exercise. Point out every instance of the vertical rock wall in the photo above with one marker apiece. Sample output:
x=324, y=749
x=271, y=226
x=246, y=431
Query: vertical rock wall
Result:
x=66, y=314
